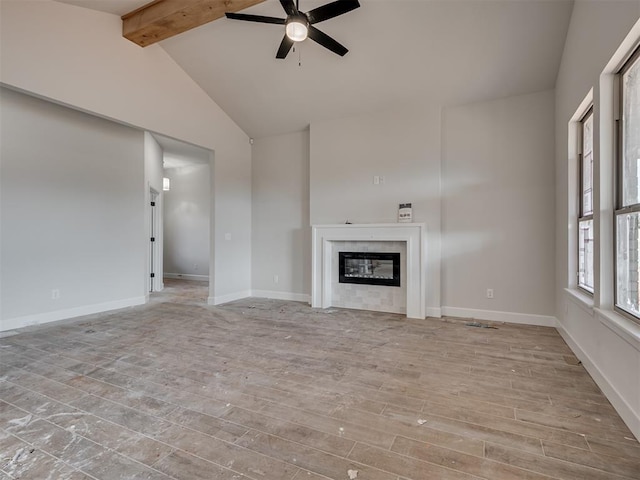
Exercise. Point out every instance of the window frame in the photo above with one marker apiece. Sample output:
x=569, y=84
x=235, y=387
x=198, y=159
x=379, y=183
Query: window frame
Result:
x=619, y=207
x=582, y=217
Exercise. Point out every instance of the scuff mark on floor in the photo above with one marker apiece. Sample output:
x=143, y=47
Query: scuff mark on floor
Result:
x=21, y=422
x=17, y=460
x=65, y=414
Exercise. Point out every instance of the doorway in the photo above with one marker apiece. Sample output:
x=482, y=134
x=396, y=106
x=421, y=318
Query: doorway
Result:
x=186, y=205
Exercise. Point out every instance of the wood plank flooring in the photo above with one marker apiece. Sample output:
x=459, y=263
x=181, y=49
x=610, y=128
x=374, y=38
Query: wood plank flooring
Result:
x=265, y=389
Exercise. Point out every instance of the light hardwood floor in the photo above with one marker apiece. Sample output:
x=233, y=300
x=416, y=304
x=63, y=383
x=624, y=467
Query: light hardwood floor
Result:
x=264, y=389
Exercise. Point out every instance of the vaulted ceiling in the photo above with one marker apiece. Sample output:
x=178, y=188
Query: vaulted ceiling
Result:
x=401, y=53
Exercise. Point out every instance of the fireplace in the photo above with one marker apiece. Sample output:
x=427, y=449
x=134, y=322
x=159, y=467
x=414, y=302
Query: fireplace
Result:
x=407, y=238
x=370, y=268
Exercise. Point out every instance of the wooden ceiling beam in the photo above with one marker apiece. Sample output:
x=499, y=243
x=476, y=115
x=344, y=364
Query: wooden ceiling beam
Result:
x=163, y=19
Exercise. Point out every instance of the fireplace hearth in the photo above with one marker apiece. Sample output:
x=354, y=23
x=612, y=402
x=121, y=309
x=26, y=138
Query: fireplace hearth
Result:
x=370, y=268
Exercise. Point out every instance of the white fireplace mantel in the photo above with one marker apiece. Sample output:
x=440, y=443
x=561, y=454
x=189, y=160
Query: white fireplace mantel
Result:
x=324, y=236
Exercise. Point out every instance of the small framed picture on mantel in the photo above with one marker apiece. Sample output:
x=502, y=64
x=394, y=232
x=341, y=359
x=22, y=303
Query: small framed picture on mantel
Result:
x=405, y=214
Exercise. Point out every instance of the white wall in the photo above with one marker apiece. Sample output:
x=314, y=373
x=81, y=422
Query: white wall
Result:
x=496, y=165
x=498, y=208
x=281, y=242
x=77, y=56
x=231, y=230
x=72, y=212
x=607, y=344
x=186, y=221
x=153, y=180
x=402, y=146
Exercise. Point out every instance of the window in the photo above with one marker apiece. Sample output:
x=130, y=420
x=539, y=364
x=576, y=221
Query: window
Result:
x=585, y=216
x=627, y=215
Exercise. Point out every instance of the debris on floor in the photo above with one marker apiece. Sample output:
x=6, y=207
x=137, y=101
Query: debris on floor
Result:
x=421, y=421
x=353, y=474
x=571, y=360
x=480, y=325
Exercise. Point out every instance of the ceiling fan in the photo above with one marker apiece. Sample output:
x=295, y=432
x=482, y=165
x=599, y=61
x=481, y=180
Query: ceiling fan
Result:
x=299, y=25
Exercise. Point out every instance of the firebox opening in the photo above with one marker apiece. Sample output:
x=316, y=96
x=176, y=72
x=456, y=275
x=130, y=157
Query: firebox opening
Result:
x=370, y=268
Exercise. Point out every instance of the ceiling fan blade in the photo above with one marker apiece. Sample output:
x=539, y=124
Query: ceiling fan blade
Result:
x=255, y=18
x=326, y=41
x=330, y=10
x=289, y=7
x=285, y=46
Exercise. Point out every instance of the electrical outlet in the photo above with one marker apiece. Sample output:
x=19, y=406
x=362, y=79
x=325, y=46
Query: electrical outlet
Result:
x=55, y=294
x=489, y=292
x=376, y=180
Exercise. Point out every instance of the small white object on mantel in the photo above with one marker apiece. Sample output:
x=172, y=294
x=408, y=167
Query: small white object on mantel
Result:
x=413, y=234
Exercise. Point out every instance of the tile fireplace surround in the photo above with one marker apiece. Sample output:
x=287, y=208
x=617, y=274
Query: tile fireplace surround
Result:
x=325, y=239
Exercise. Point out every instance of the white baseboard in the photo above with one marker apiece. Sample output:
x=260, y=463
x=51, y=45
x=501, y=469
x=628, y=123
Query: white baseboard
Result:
x=230, y=297
x=496, y=316
x=434, y=312
x=187, y=276
x=68, y=313
x=294, y=297
x=619, y=403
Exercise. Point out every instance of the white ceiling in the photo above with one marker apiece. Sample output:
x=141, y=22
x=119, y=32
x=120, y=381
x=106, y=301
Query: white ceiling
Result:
x=402, y=52
x=117, y=7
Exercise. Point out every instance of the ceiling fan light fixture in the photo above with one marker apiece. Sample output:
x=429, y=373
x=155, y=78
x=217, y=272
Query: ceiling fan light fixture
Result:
x=297, y=28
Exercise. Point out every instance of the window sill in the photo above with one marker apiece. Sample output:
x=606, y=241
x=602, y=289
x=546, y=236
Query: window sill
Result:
x=625, y=328
x=581, y=299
